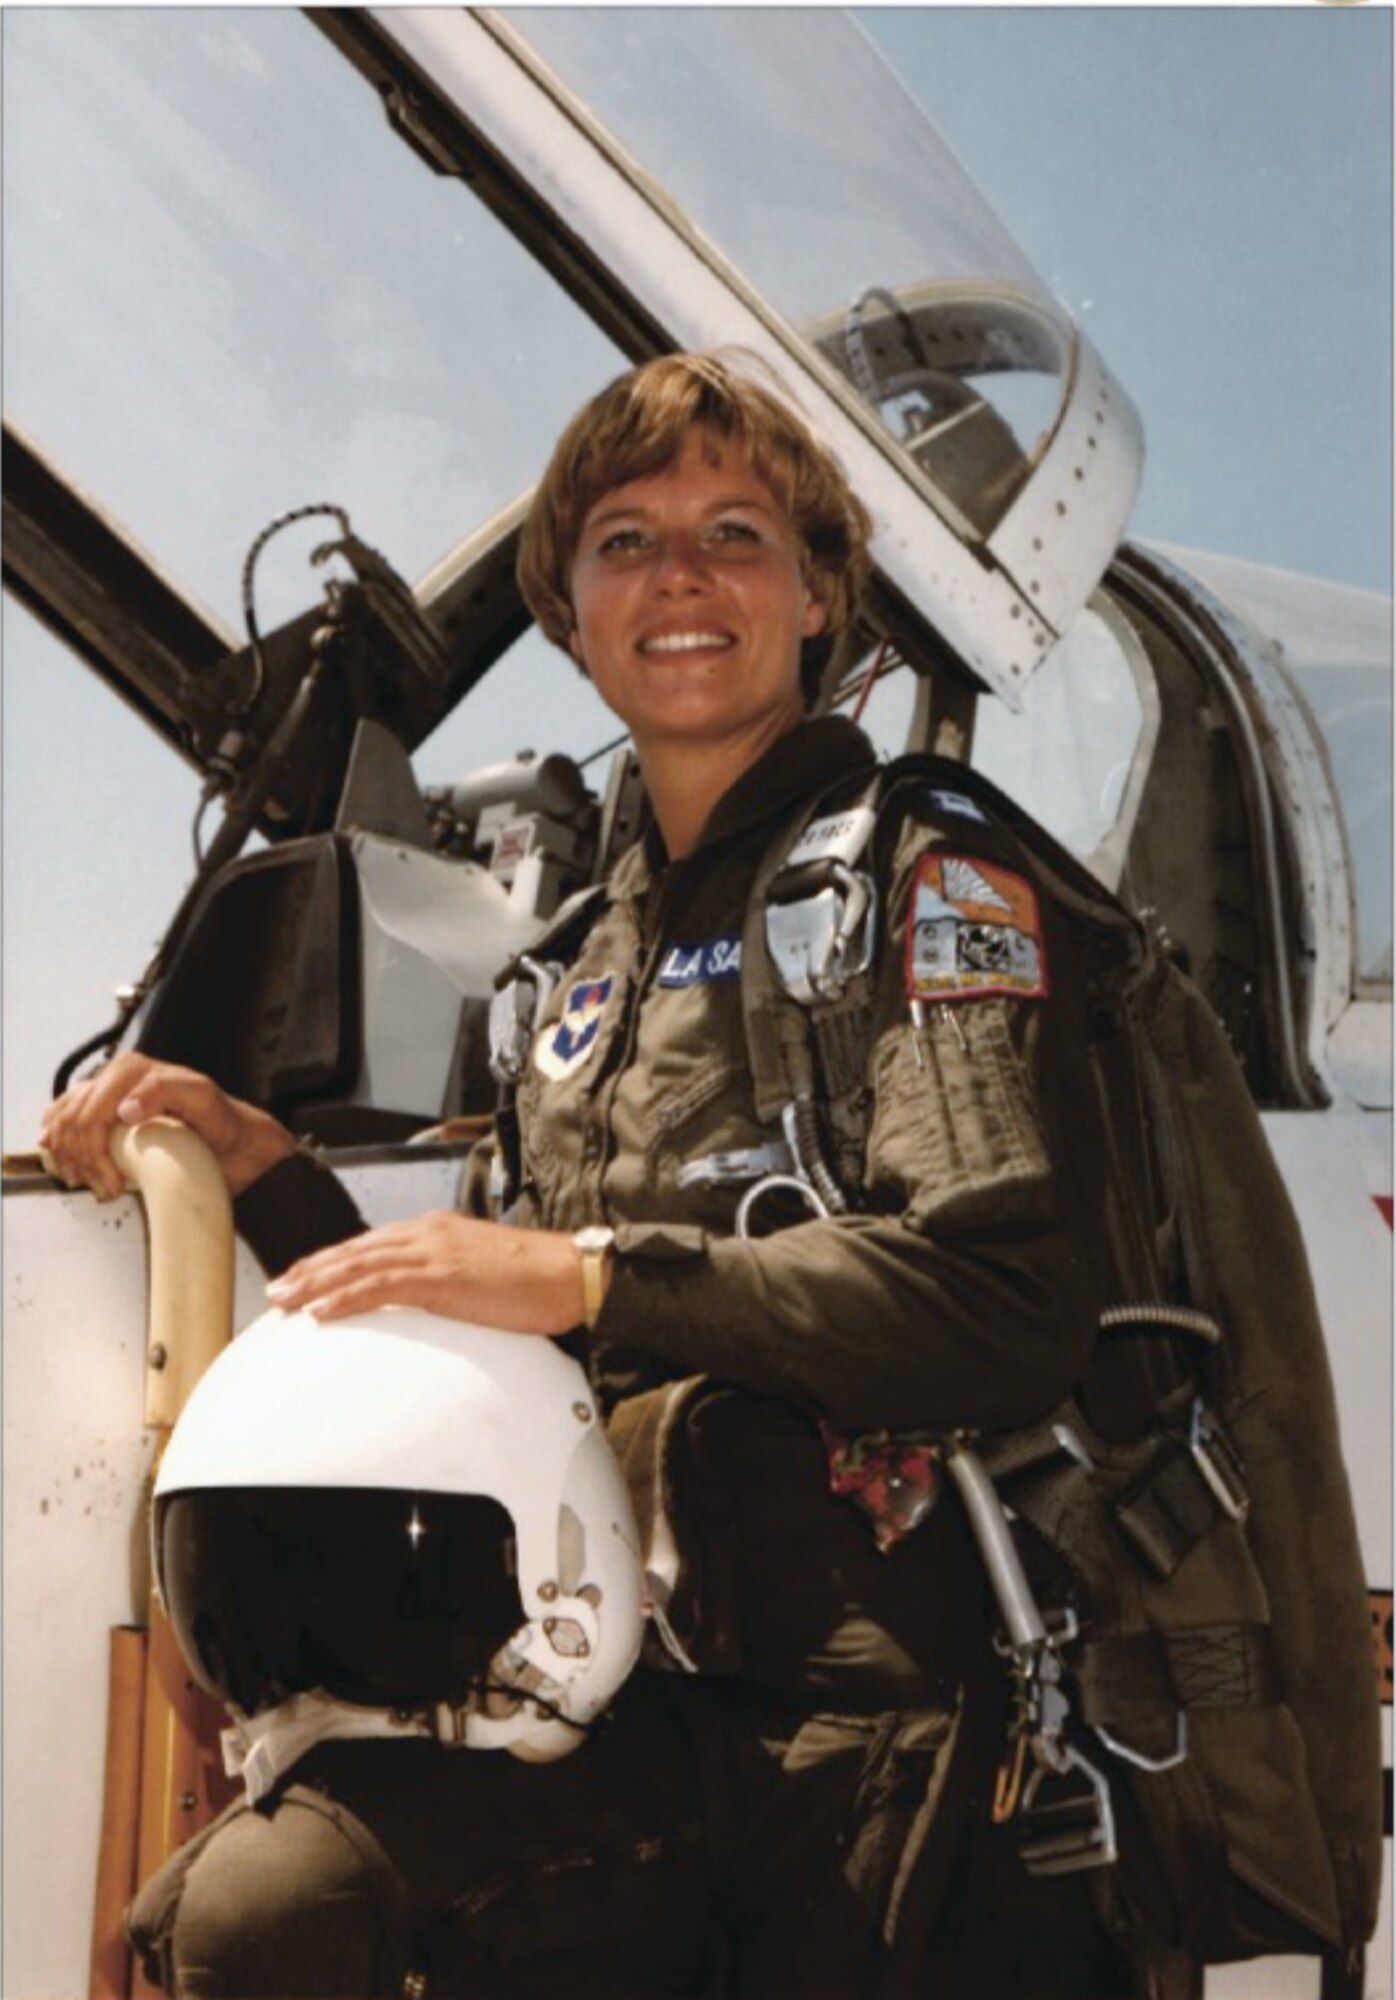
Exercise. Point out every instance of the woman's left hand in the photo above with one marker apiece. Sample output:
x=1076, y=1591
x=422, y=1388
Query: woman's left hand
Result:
x=523, y=1280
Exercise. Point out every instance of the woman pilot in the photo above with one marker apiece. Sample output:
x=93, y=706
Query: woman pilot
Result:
x=801, y=1815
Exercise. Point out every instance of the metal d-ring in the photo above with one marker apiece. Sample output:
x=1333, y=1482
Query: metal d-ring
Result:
x=1168, y=1762
x=789, y=1182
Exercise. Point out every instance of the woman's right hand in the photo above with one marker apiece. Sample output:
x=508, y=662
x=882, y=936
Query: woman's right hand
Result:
x=77, y=1127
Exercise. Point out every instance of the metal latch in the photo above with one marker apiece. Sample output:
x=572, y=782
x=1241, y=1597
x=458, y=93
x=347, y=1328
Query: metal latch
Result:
x=1065, y=1813
x=514, y=1014
x=1216, y=1459
x=821, y=941
x=740, y=1163
x=1067, y=1820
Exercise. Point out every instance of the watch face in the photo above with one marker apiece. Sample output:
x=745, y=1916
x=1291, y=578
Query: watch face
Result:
x=594, y=1238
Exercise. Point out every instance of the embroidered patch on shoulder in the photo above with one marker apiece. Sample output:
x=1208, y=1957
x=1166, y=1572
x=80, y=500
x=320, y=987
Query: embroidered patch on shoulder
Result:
x=973, y=929
x=701, y=964
x=957, y=802
x=565, y=1047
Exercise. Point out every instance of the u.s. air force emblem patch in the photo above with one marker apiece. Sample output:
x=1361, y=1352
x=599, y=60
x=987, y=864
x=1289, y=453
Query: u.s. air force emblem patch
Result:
x=564, y=1048
x=973, y=929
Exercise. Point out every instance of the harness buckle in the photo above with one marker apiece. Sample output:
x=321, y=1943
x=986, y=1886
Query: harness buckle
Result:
x=740, y=1163
x=514, y=1013
x=821, y=941
x=1068, y=1822
x=1216, y=1459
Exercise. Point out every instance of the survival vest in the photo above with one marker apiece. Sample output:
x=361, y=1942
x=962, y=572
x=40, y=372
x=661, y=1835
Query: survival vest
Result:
x=1173, y=1550
x=1181, y=1585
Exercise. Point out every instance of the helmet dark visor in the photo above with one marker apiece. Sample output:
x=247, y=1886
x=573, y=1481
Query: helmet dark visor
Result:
x=385, y=1598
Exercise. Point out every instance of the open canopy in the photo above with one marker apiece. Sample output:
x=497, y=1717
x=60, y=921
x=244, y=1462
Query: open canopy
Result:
x=230, y=279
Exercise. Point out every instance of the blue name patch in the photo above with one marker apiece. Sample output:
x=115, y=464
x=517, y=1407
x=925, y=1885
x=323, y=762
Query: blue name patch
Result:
x=702, y=964
x=956, y=802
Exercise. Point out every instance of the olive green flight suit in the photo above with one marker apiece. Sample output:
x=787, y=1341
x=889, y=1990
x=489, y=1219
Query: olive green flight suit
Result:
x=802, y=1800
x=962, y=1294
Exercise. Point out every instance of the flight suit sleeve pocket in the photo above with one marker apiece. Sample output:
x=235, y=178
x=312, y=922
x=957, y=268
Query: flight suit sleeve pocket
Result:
x=955, y=1138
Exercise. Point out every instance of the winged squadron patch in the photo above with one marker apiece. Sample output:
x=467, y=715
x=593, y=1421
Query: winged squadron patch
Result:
x=563, y=1049
x=973, y=929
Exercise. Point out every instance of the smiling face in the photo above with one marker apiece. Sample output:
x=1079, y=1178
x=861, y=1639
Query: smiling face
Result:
x=690, y=605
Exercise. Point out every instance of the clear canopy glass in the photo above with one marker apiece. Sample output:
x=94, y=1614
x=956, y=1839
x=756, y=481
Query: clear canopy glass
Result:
x=1077, y=755
x=1351, y=703
x=834, y=196
x=231, y=290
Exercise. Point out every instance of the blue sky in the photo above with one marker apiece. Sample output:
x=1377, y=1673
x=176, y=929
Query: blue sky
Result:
x=1209, y=189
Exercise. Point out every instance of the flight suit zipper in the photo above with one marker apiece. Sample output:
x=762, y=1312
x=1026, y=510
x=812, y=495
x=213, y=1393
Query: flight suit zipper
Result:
x=650, y=938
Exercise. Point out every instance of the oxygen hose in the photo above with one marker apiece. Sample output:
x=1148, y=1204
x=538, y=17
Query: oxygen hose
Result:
x=808, y=1144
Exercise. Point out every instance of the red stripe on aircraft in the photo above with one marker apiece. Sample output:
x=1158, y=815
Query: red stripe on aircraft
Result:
x=1383, y=1202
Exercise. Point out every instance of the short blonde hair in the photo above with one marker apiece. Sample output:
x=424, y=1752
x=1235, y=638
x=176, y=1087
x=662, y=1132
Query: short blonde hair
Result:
x=637, y=425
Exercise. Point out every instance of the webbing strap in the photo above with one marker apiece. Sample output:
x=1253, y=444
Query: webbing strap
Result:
x=563, y=932
x=1146, y=1674
x=841, y=1036
x=1007, y=1453
x=1169, y=1508
x=1071, y=881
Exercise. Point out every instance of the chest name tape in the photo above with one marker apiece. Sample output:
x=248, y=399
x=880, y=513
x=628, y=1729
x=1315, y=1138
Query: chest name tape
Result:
x=701, y=964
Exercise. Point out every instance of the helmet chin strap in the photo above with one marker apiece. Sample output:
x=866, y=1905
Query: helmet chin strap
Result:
x=534, y=1670
x=260, y=1749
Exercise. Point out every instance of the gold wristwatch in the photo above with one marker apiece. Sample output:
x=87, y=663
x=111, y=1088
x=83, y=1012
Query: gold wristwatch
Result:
x=595, y=1243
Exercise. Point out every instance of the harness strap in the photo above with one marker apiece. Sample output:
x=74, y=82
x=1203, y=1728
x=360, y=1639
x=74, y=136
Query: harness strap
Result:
x=1169, y=1508
x=564, y=931
x=1071, y=881
x=1010, y=1453
x=261, y=1749
x=1147, y=1674
x=562, y=934
x=842, y=1033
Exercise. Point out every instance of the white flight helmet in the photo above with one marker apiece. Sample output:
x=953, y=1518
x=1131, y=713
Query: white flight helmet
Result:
x=401, y=1511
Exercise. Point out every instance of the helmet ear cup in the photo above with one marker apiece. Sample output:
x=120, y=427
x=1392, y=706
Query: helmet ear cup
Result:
x=401, y=1511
